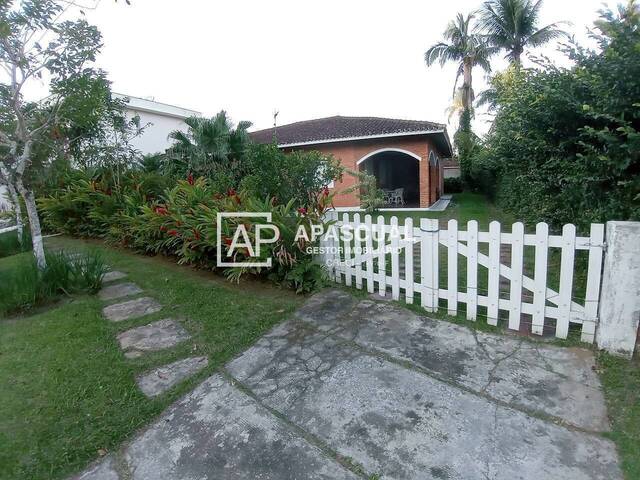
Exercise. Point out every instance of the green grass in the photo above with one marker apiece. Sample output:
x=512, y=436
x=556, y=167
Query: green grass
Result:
x=9, y=244
x=67, y=390
x=463, y=207
x=621, y=381
x=25, y=286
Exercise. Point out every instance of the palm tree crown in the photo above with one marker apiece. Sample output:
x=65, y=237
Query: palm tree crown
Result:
x=209, y=142
x=512, y=25
x=466, y=47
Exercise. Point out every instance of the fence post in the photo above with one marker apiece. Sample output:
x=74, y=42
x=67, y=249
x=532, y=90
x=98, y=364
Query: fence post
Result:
x=620, y=297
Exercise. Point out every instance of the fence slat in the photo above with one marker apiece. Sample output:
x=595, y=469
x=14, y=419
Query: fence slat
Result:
x=426, y=265
x=566, y=279
x=435, y=261
x=408, y=259
x=493, y=288
x=335, y=247
x=348, y=268
x=472, y=270
x=515, y=286
x=357, y=250
x=369, y=247
x=594, y=273
x=395, y=259
x=540, y=278
x=452, y=267
x=382, y=267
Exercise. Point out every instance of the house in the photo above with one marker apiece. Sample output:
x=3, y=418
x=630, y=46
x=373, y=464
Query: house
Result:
x=451, y=168
x=399, y=153
x=160, y=119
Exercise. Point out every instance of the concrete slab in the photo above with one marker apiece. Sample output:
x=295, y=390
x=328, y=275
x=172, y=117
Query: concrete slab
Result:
x=161, y=379
x=131, y=309
x=154, y=336
x=119, y=290
x=103, y=470
x=401, y=423
x=547, y=380
x=218, y=432
x=113, y=275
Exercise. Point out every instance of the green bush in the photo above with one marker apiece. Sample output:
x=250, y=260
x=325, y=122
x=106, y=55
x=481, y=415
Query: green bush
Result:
x=24, y=286
x=453, y=185
x=182, y=222
x=565, y=145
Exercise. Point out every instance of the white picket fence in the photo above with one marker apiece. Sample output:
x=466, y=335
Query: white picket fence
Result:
x=415, y=262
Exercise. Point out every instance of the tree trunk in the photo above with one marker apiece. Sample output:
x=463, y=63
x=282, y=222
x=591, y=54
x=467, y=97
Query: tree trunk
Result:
x=467, y=90
x=17, y=209
x=34, y=224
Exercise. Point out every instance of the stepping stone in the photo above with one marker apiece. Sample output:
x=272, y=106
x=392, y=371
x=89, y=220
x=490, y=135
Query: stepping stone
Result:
x=131, y=309
x=155, y=336
x=119, y=290
x=113, y=275
x=161, y=379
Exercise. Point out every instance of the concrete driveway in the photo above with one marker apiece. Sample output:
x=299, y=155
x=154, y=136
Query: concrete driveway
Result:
x=356, y=388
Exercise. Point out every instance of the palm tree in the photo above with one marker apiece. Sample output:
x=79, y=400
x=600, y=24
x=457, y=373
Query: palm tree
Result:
x=466, y=47
x=209, y=143
x=512, y=25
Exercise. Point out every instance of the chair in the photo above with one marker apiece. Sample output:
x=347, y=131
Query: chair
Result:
x=397, y=197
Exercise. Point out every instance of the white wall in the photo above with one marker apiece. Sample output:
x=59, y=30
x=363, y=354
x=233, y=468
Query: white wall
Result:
x=154, y=138
x=161, y=119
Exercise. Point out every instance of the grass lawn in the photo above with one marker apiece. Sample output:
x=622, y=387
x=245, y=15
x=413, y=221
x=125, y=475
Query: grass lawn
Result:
x=463, y=207
x=621, y=381
x=68, y=393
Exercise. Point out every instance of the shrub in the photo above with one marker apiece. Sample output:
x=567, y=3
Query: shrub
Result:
x=297, y=176
x=565, y=144
x=24, y=286
x=453, y=185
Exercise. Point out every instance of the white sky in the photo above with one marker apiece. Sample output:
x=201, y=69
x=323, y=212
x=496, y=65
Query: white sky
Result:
x=305, y=59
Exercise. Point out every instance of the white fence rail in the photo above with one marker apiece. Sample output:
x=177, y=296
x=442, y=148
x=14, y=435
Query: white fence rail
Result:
x=526, y=280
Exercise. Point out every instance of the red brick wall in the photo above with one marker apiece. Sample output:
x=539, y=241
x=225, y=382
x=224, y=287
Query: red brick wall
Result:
x=350, y=152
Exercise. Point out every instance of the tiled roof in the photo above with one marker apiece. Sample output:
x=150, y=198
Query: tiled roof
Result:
x=339, y=128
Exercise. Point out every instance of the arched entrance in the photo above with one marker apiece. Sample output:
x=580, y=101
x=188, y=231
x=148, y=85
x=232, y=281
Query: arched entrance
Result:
x=395, y=170
x=434, y=178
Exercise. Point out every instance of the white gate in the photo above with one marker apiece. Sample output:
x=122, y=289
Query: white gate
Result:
x=494, y=274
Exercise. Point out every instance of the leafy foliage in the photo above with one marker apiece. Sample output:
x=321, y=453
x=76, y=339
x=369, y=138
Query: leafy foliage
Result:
x=182, y=222
x=565, y=145
x=512, y=25
x=297, y=176
x=25, y=286
x=211, y=147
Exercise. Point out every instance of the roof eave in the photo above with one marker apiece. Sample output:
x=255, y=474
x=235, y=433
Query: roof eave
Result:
x=365, y=137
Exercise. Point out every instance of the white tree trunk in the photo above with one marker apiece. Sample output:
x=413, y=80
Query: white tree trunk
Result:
x=17, y=210
x=34, y=224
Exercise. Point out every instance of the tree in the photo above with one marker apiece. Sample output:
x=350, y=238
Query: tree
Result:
x=466, y=47
x=36, y=44
x=208, y=145
x=512, y=25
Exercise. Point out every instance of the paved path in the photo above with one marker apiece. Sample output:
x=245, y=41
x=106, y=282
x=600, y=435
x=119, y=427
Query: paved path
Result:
x=362, y=389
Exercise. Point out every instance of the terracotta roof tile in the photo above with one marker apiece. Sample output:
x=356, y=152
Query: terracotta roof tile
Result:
x=339, y=127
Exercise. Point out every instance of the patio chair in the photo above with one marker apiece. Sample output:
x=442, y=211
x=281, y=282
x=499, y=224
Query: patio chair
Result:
x=397, y=197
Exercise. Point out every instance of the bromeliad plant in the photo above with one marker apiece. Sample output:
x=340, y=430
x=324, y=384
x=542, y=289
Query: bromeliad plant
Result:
x=183, y=222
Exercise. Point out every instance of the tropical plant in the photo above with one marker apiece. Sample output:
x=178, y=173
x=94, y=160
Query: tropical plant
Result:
x=465, y=46
x=512, y=25
x=210, y=146
x=298, y=176
x=565, y=144
x=25, y=285
x=37, y=41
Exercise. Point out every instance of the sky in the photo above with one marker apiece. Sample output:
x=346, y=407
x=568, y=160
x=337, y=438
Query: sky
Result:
x=304, y=59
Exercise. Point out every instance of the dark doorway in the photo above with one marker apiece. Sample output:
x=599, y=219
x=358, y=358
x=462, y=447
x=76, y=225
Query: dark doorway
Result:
x=396, y=170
